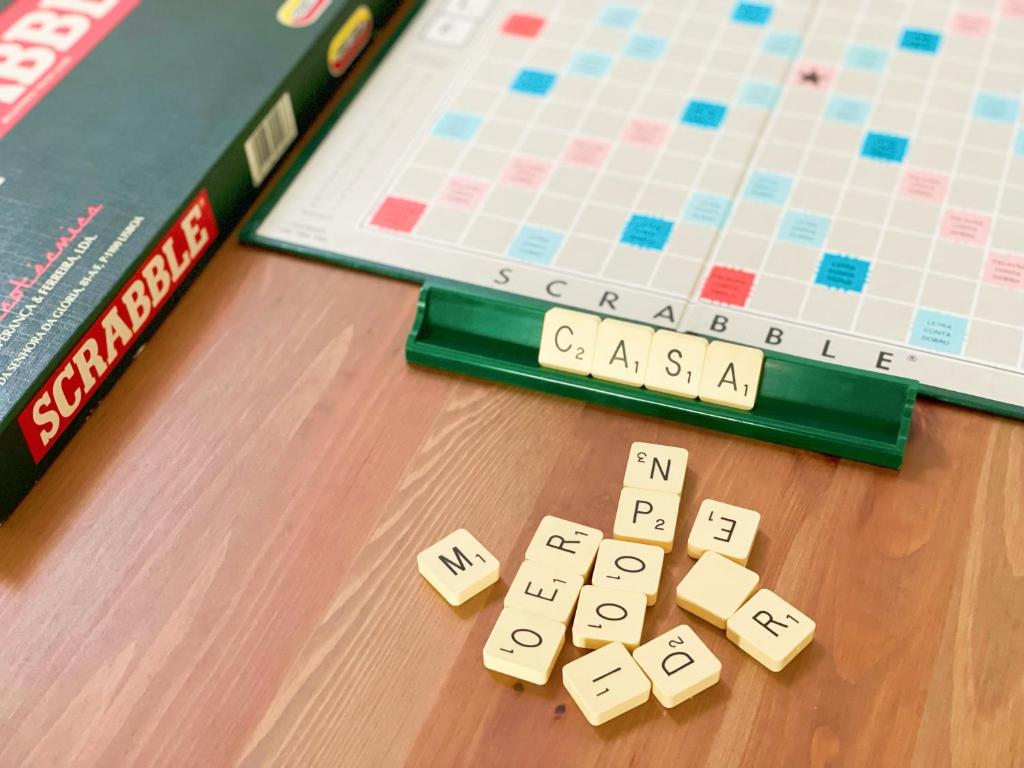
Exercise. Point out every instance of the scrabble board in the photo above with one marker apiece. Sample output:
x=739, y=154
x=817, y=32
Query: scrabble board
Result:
x=839, y=181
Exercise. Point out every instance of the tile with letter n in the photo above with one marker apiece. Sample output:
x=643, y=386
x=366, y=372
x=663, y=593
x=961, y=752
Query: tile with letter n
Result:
x=534, y=82
x=704, y=114
x=646, y=232
x=887, y=147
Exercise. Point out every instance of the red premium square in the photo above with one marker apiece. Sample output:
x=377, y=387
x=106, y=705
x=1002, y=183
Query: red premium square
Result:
x=728, y=286
x=398, y=214
x=522, y=25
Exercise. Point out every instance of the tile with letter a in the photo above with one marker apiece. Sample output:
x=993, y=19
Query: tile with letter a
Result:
x=567, y=341
x=715, y=588
x=565, y=545
x=545, y=590
x=629, y=566
x=524, y=646
x=647, y=517
x=679, y=665
x=622, y=351
x=725, y=529
x=732, y=374
x=770, y=629
x=656, y=467
x=675, y=363
x=606, y=683
x=458, y=566
x=608, y=616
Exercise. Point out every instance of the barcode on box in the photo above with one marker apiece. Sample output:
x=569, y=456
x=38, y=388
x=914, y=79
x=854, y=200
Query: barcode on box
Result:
x=275, y=133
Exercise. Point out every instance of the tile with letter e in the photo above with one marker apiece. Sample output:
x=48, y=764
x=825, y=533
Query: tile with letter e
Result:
x=608, y=616
x=656, y=467
x=725, y=529
x=458, y=566
x=704, y=114
x=606, y=683
x=545, y=590
x=715, y=588
x=679, y=665
x=647, y=517
x=565, y=545
x=567, y=341
x=732, y=374
x=629, y=566
x=770, y=629
x=524, y=646
x=621, y=352
x=675, y=363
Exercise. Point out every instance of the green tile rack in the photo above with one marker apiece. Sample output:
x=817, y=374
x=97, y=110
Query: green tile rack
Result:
x=836, y=410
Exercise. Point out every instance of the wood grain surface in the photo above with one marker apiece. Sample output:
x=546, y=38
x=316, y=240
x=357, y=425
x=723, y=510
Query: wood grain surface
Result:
x=220, y=569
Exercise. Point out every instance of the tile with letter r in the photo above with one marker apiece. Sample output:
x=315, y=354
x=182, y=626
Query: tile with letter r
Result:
x=618, y=16
x=758, y=94
x=938, y=331
x=457, y=126
x=768, y=187
x=844, y=273
x=704, y=114
x=728, y=286
x=804, y=229
x=534, y=82
x=645, y=47
x=707, y=210
x=646, y=232
x=536, y=245
x=756, y=14
x=770, y=629
x=886, y=147
x=996, y=107
x=920, y=40
x=866, y=58
x=846, y=109
x=784, y=44
x=590, y=64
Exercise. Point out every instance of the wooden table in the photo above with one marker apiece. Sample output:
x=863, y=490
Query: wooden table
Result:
x=221, y=567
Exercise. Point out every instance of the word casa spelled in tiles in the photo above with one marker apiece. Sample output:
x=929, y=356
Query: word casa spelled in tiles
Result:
x=656, y=467
x=458, y=566
x=634, y=355
x=606, y=683
x=608, y=616
x=564, y=544
x=715, y=588
x=544, y=590
x=679, y=665
x=524, y=646
x=724, y=529
x=629, y=566
x=770, y=629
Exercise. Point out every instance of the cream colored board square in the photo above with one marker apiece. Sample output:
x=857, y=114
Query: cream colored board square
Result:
x=544, y=590
x=715, y=588
x=675, y=364
x=679, y=665
x=732, y=374
x=606, y=683
x=567, y=341
x=725, y=529
x=629, y=566
x=565, y=545
x=770, y=629
x=647, y=517
x=622, y=351
x=458, y=566
x=656, y=467
x=608, y=616
x=524, y=646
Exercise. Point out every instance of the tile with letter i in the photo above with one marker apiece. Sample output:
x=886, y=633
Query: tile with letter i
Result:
x=524, y=646
x=565, y=545
x=608, y=616
x=725, y=529
x=621, y=352
x=675, y=363
x=647, y=517
x=679, y=666
x=715, y=588
x=567, y=341
x=656, y=467
x=458, y=566
x=770, y=629
x=606, y=683
x=629, y=566
x=732, y=374
x=544, y=590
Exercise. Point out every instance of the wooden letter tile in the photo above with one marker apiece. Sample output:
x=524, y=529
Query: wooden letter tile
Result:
x=629, y=566
x=715, y=588
x=544, y=590
x=656, y=467
x=606, y=683
x=647, y=517
x=565, y=545
x=724, y=529
x=679, y=665
x=458, y=566
x=675, y=363
x=608, y=616
x=732, y=374
x=524, y=646
x=567, y=341
x=770, y=629
x=622, y=352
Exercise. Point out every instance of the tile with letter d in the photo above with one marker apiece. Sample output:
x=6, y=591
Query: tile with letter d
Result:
x=606, y=683
x=524, y=646
x=647, y=517
x=770, y=629
x=679, y=665
x=458, y=566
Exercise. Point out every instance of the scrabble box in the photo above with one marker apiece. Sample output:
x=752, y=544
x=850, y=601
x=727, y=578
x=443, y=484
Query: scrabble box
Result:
x=132, y=137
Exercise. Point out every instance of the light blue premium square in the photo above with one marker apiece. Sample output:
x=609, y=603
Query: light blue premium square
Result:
x=866, y=58
x=457, y=126
x=760, y=95
x=843, y=273
x=784, y=44
x=618, y=16
x=704, y=114
x=938, y=331
x=804, y=229
x=920, y=40
x=707, y=210
x=768, y=187
x=534, y=82
x=752, y=13
x=646, y=47
x=1018, y=145
x=846, y=109
x=535, y=245
x=996, y=107
x=887, y=147
x=590, y=64
x=646, y=232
